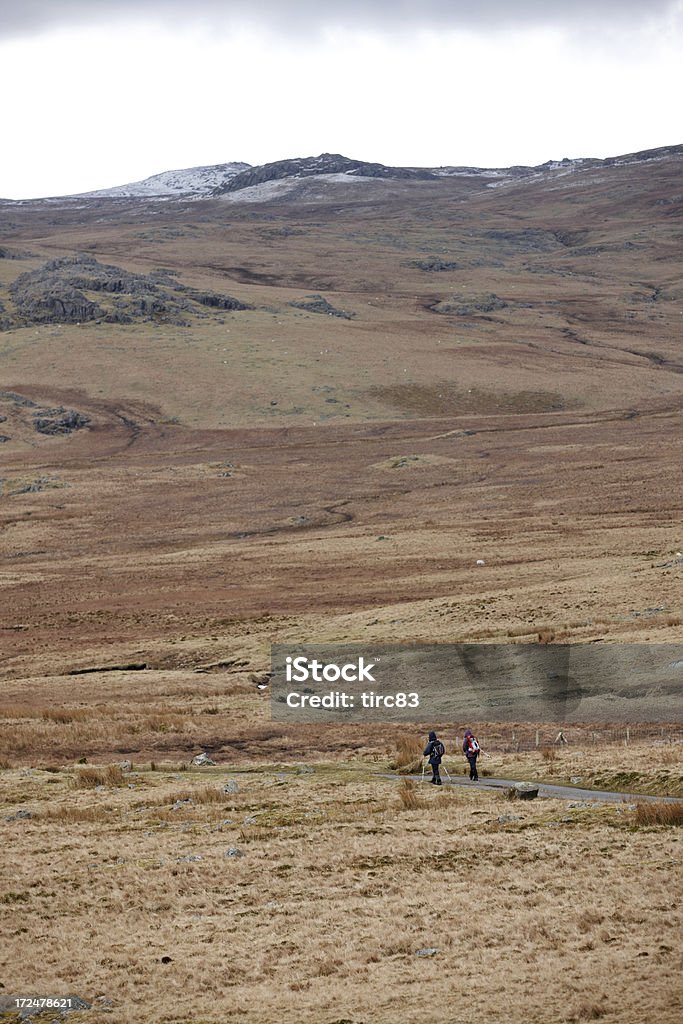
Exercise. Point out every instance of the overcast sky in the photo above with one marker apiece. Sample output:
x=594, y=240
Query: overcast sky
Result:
x=98, y=93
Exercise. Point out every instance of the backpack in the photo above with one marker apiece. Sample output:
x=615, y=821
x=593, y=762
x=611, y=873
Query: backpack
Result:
x=472, y=745
x=438, y=750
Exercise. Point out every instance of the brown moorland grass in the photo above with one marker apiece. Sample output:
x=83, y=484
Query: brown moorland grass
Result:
x=409, y=796
x=91, y=777
x=338, y=885
x=659, y=814
x=276, y=475
x=408, y=756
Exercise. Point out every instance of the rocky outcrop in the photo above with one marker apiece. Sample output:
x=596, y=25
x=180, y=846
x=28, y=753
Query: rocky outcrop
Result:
x=13, y=254
x=79, y=289
x=59, y=421
x=46, y=420
x=54, y=305
x=434, y=265
x=318, y=304
x=326, y=163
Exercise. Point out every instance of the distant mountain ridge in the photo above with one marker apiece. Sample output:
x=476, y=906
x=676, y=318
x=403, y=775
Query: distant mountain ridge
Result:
x=228, y=179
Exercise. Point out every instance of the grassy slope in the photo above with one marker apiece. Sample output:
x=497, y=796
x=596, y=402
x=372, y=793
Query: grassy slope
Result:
x=540, y=912
x=196, y=522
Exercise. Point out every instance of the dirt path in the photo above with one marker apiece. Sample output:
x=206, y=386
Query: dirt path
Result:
x=556, y=792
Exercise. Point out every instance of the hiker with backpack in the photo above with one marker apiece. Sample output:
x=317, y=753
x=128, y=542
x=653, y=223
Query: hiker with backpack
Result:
x=471, y=750
x=434, y=751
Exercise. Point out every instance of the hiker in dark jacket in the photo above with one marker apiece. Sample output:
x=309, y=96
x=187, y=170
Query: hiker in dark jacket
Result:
x=471, y=750
x=434, y=751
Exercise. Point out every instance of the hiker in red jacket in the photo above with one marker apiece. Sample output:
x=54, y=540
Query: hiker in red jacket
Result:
x=471, y=750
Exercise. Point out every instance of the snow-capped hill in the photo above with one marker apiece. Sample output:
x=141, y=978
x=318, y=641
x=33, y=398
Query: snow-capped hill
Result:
x=309, y=177
x=318, y=166
x=191, y=182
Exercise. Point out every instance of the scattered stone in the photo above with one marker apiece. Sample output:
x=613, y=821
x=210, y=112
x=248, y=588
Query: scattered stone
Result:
x=427, y=951
x=526, y=791
x=182, y=803
x=21, y=815
x=576, y=779
x=125, y=766
x=233, y=851
x=505, y=818
x=189, y=858
x=434, y=265
x=14, y=254
x=480, y=561
x=250, y=820
x=17, y=399
x=231, y=786
x=202, y=761
x=103, y=1002
x=36, y=486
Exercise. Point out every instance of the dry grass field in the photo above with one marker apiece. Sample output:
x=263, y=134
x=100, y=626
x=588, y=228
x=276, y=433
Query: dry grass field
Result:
x=547, y=911
x=274, y=474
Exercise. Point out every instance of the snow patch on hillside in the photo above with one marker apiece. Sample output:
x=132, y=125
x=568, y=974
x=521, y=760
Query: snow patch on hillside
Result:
x=311, y=185
x=190, y=181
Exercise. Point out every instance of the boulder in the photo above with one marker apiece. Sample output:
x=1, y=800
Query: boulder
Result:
x=202, y=761
x=526, y=791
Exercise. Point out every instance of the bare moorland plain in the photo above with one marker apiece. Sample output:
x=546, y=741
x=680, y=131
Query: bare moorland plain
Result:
x=425, y=375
